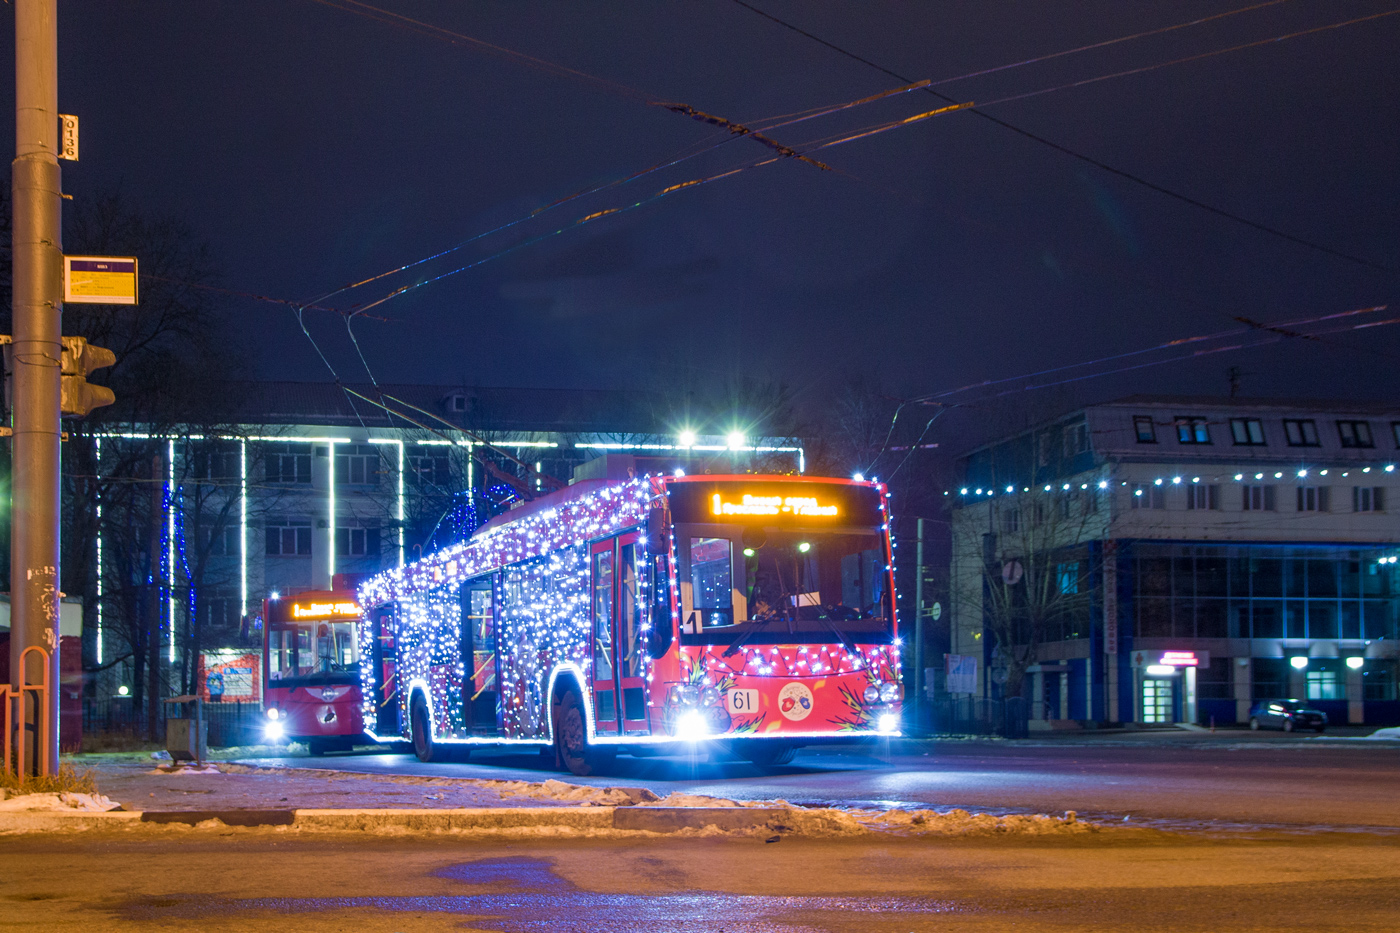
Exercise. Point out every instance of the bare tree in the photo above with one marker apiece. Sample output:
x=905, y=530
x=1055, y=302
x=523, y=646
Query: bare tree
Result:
x=1023, y=557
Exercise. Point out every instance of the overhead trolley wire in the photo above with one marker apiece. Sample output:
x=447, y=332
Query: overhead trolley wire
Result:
x=734, y=129
x=1104, y=166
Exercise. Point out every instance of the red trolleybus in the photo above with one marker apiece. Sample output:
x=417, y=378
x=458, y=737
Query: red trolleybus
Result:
x=754, y=612
x=311, y=670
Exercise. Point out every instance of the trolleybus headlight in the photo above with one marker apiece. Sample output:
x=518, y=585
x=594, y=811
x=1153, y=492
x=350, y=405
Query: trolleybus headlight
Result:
x=274, y=731
x=273, y=712
x=691, y=726
x=872, y=694
x=709, y=696
x=889, y=693
x=683, y=695
x=888, y=722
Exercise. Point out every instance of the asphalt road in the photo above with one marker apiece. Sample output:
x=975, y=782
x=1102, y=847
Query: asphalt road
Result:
x=1116, y=880
x=1220, y=779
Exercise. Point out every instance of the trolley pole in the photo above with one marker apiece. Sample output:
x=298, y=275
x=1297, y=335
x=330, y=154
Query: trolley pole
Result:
x=37, y=352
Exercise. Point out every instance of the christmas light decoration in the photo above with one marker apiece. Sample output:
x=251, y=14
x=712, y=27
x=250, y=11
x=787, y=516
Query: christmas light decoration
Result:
x=537, y=569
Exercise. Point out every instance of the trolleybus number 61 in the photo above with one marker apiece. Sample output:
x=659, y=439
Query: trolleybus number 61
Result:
x=743, y=701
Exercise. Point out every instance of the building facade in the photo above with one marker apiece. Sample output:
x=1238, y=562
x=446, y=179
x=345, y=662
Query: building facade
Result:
x=1203, y=554
x=301, y=485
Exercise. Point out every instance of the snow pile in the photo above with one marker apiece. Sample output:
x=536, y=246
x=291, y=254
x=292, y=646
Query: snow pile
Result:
x=963, y=823
x=1392, y=733
x=679, y=799
x=92, y=803
x=573, y=793
x=188, y=767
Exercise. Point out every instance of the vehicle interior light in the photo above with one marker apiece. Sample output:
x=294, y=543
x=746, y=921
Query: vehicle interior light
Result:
x=1356, y=662
x=1298, y=661
x=1160, y=670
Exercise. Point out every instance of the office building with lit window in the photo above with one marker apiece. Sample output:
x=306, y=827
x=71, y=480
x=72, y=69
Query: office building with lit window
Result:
x=1203, y=554
x=298, y=484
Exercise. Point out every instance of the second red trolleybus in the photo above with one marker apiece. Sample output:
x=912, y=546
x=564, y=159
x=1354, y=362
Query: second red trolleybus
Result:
x=311, y=670
x=634, y=616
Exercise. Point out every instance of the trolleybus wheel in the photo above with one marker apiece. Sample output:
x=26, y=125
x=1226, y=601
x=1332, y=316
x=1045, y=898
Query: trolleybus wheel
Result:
x=770, y=754
x=423, y=745
x=571, y=736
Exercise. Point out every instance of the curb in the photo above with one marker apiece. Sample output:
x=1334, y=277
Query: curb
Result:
x=487, y=821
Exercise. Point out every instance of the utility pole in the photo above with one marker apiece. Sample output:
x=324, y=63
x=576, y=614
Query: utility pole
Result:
x=919, y=684
x=38, y=349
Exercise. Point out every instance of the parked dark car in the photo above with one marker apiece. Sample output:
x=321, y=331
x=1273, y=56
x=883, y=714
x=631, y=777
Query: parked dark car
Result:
x=1286, y=715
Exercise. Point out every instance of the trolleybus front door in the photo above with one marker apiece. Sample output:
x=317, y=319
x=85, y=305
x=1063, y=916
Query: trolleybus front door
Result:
x=619, y=698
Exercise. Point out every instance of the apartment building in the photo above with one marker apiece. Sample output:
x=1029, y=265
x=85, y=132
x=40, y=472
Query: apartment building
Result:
x=1195, y=554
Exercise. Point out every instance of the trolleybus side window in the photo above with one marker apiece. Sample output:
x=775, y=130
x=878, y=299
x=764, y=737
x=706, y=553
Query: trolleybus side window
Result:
x=711, y=580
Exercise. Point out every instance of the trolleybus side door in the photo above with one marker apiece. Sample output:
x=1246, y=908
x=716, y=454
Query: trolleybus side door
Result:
x=602, y=559
x=629, y=641
x=386, y=681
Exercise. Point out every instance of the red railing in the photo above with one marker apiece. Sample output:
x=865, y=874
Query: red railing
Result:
x=14, y=696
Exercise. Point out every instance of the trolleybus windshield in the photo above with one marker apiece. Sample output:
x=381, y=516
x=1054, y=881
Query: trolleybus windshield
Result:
x=781, y=563
x=318, y=651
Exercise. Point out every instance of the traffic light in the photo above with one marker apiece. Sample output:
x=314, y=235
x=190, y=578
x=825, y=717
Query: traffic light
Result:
x=80, y=358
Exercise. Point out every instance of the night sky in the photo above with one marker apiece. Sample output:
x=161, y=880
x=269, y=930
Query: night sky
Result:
x=314, y=146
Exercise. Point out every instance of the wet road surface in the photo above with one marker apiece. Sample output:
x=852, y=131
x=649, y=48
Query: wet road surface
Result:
x=1222, y=780
x=1116, y=880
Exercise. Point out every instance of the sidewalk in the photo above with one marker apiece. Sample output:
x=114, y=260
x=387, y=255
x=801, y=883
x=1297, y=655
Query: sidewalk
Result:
x=225, y=795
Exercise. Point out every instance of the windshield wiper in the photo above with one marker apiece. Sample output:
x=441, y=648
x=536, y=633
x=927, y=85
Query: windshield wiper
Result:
x=845, y=639
x=744, y=636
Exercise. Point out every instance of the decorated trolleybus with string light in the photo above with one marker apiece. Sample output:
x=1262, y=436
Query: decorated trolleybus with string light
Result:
x=755, y=613
x=311, y=670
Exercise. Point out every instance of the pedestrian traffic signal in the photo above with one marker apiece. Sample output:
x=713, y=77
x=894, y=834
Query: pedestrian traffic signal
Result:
x=80, y=358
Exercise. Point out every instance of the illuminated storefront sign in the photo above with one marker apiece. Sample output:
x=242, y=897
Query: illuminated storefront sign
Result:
x=325, y=610
x=806, y=506
x=1171, y=659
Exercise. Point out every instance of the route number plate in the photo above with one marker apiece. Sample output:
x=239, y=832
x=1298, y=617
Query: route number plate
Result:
x=742, y=702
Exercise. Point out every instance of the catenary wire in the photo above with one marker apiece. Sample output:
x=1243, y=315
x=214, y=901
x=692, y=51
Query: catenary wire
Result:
x=820, y=145
x=738, y=129
x=1090, y=160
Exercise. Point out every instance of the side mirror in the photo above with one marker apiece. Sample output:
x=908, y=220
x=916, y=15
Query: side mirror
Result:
x=659, y=640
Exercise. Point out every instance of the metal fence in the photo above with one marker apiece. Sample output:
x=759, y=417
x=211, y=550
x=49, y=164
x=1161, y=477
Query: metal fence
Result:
x=981, y=716
x=116, y=719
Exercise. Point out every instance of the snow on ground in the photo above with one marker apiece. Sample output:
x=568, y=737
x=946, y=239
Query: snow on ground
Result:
x=1391, y=733
x=95, y=803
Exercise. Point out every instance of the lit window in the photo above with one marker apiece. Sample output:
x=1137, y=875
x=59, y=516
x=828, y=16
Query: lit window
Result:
x=1247, y=432
x=1147, y=431
x=1192, y=430
x=1301, y=432
x=1323, y=685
